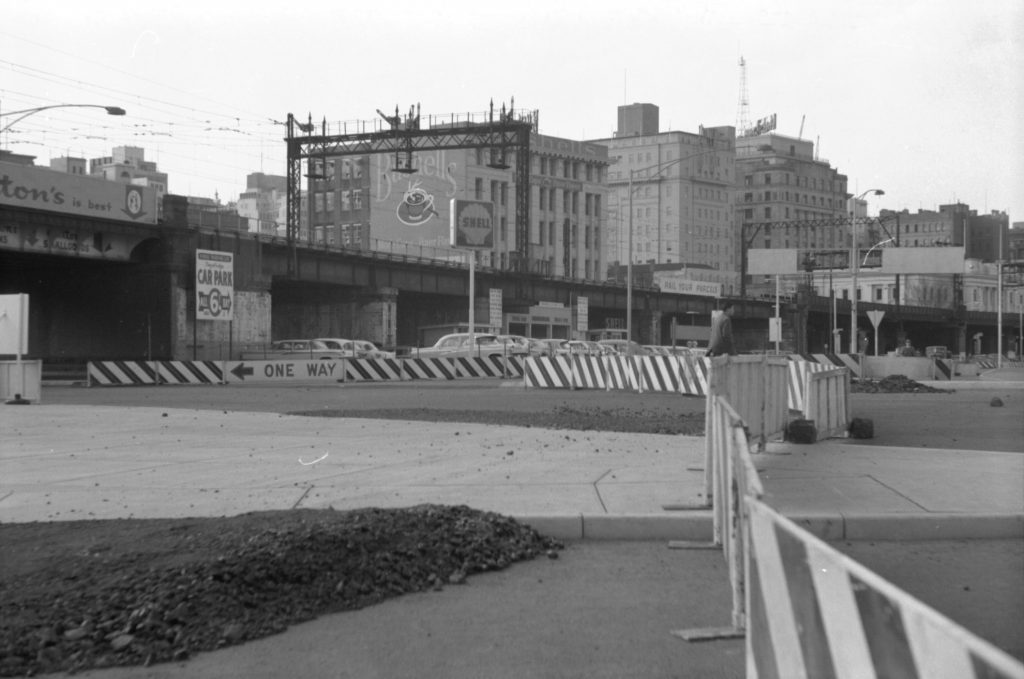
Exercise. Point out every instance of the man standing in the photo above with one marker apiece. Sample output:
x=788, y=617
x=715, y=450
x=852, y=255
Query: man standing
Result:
x=721, y=343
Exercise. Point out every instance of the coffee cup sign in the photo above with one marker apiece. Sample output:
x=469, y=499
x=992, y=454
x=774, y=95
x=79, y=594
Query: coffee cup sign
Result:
x=417, y=206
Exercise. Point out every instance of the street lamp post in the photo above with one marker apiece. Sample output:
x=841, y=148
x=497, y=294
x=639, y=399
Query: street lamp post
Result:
x=660, y=167
x=25, y=113
x=855, y=266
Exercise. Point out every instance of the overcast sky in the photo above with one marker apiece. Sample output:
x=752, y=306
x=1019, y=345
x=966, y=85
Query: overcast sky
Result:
x=922, y=98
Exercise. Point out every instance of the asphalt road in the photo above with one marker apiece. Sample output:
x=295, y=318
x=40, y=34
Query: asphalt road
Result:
x=964, y=419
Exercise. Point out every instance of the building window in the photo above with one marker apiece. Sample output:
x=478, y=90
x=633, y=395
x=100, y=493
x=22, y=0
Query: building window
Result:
x=478, y=188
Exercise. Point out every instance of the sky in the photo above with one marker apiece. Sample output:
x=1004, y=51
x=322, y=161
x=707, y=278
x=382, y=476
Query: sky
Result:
x=923, y=99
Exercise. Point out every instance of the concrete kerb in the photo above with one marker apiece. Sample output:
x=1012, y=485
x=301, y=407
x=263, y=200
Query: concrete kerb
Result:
x=911, y=527
x=696, y=526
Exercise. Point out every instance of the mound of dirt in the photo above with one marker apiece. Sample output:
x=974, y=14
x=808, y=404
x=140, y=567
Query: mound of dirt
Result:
x=894, y=384
x=134, y=592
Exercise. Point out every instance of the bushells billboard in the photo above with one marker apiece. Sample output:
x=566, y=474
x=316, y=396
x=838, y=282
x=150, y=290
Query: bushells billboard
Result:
x=413, y=207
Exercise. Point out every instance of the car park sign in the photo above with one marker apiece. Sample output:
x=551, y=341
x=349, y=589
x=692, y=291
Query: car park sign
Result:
x=215, y=285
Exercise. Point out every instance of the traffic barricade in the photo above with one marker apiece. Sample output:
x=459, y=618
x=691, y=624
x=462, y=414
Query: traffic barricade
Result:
x=552, y=372
x=621, y=372
x=693, y=374
x=587, y=372
x=827, y=401
x=813, y=612
x=428, y=369
x=732, y=476
x=373, y=370
x=659, y=373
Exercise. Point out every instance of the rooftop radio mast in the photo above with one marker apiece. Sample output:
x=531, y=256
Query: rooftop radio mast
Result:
x=743, y=112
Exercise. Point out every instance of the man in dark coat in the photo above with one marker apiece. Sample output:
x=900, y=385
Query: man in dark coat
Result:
x=721, y=343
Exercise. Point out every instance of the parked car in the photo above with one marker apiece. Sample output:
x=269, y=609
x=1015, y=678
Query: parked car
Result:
x=547, y=347
x=625, y=347
x=583, y=348
x=355, y=348
x=457, y=345
x=296, y=349
x=515, y=345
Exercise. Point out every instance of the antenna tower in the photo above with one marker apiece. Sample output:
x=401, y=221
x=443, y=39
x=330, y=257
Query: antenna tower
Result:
x=743, y=112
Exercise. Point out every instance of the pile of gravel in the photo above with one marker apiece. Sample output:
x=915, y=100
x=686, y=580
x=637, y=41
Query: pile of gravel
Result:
x=894, y=384
x=187, y=585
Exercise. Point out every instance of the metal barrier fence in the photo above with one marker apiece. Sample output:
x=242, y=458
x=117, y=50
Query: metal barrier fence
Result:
x=813, y=612
x=806, y=610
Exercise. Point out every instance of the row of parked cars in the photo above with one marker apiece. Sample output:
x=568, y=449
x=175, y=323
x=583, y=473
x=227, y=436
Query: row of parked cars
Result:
x=320, y=348
x=457, y=345
x=488, y=345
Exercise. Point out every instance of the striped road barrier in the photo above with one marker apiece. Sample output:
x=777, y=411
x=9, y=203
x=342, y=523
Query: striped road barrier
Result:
x=813, y=612
x=587, y=372
x=693, y=375
x=373, y=370
x=851, y=361
x=488, y=366
x=622, y=373
x=428, y=369
x=659, y=373
x=548, y=372
x=126, y=373
x=798, y=371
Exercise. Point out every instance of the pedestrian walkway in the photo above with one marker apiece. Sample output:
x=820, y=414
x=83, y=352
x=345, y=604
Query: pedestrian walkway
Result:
x=79, y=462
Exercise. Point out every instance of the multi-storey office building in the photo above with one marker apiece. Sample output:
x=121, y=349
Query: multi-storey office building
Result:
x=671, y=197
x=264, y=202
x=788, y=198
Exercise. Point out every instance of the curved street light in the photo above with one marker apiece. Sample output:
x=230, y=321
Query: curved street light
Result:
x=855, y=266
x=875, y=247
x=25, y=113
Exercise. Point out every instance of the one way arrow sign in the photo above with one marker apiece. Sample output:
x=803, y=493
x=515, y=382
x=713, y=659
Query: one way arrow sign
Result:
x=240, y=371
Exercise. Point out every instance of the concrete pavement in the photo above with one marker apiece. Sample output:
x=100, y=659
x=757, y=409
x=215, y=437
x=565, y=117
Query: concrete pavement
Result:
x=75, y=462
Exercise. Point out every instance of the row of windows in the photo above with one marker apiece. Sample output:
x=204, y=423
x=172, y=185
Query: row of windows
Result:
x=806, y=199
x=570, y=201
x=818, y=184
x=569, y=169
x=546, y=234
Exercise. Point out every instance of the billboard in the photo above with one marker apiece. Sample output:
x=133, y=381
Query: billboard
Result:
x=215, y=285
x=41, y=188
x=934, y=260
x=680, y=284
x=413, y=207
